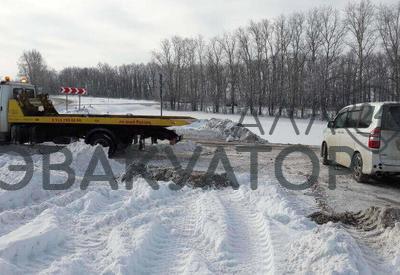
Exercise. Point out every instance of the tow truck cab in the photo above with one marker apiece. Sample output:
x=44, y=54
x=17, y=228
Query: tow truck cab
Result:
x=11, y=90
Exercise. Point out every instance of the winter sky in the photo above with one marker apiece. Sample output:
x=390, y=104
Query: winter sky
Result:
x=86, y=32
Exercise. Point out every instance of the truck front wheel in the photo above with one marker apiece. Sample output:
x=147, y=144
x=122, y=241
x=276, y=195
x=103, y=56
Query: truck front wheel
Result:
x=104, y=140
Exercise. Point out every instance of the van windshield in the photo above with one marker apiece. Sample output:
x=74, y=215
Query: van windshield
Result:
x=392, y=118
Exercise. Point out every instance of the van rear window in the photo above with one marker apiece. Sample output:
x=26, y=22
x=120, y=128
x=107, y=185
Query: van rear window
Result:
x=366, y=116
x=392, y=118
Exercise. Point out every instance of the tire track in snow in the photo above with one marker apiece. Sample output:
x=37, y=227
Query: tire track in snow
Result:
x=90, y=231
x=369, y=245
x=248, y=243
x=224, y=234
x=172, y=242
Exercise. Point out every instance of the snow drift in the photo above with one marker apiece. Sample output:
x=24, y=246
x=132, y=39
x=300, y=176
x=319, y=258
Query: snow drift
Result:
x=224, y=129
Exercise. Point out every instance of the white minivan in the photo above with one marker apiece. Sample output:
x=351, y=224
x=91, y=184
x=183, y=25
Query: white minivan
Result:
x=366, y=138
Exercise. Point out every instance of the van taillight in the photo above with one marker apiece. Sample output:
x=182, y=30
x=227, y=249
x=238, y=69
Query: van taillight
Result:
x=374, y=140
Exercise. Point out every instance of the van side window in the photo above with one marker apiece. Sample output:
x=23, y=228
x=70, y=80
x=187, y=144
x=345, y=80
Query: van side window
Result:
x=353, y=118
x=341, y=120
x=366, y=116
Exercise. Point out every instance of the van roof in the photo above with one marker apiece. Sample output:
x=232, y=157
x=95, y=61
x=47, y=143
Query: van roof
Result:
x=375, y=104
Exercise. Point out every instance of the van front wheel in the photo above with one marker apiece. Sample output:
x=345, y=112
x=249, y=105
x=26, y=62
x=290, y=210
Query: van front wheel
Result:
x=357, y=168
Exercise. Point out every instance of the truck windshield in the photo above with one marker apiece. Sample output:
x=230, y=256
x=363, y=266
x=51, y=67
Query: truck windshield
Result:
x=392, y=118
x=30, y=93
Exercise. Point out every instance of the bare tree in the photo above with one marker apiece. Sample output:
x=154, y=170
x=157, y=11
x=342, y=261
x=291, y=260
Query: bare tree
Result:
x=258, y=41
x=388, y=24
x=283, y=37
x=229, y=45
x=360, y=22
x=216, y=74
x=296, y=60
x=166, y=60
x=332, y=32
x=314, y=40
x=200, y=51
x=246, y=53
x=32, y=65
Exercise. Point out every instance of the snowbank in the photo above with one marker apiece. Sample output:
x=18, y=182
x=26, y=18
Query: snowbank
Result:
x=390, y=240
x=40, y=235
x=327, y=249
x=224, y=129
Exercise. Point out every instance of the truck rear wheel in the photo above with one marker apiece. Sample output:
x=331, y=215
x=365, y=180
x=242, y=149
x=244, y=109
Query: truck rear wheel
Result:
x=104, y=140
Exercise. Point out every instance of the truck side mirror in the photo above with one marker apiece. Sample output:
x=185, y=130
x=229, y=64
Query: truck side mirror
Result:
x=331, y=124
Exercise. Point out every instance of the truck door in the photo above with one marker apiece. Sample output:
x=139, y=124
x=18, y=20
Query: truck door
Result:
x=5, y=95
x=3, y=116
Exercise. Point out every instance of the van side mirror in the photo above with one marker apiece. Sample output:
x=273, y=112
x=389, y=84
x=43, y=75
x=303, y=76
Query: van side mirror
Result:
x=331, y=124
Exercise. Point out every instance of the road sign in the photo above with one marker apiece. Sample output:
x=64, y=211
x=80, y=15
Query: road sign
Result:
x=73, y=91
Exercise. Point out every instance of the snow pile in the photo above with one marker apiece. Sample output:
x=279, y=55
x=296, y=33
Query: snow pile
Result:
x=224, y=129
x=41, y=234
x=329, y=250
x=379, y=225
x=390, y=241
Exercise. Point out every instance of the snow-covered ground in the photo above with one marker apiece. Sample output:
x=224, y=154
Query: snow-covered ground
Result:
x=283, y=132
x=147, y=231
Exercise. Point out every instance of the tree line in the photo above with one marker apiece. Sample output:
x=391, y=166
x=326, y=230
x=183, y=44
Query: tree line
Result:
x=306, y=63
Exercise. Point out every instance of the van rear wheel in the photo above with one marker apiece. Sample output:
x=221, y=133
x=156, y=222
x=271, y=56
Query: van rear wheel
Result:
x=357, y=168
x=324, y=154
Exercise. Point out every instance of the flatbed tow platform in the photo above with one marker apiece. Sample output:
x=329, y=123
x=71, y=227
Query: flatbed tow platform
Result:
x=28, y=117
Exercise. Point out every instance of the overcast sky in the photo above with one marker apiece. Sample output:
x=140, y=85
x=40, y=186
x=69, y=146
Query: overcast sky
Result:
x=86, y=32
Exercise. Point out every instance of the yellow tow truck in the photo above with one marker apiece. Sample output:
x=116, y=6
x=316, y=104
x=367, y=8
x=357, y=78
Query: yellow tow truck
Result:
x=26, y=116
